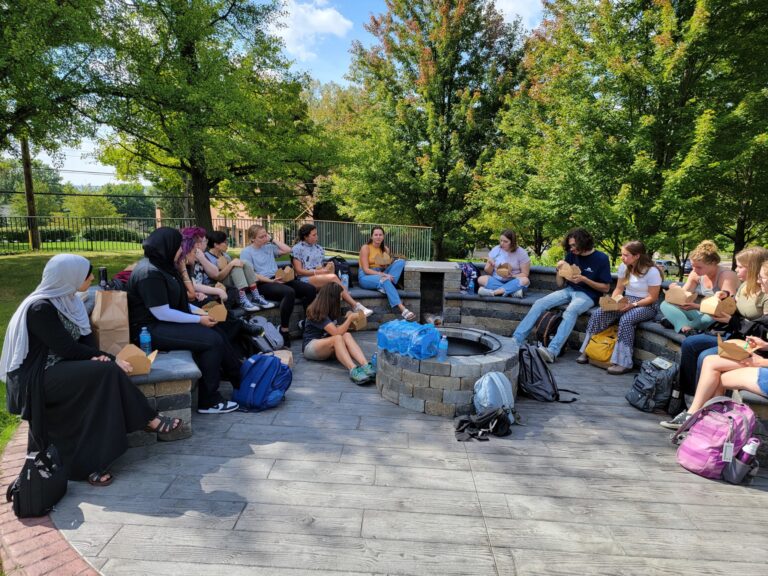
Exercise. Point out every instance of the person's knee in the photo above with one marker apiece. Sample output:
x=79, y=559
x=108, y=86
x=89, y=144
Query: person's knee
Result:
x=337, y=340
x=347, y=337
x=524, y=282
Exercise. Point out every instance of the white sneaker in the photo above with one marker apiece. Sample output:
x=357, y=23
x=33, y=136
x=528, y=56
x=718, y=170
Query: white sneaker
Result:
x=517, y=293
x=546, y=355
x=360, y=308
x=483, y=291
x=220, y=408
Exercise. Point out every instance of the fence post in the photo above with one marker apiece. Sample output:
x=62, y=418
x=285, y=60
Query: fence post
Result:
x=90, y=235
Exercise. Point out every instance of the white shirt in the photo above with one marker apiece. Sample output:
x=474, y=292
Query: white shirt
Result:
x=638, y=285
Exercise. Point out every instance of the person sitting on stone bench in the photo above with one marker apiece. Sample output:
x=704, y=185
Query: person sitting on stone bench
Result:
x=90, y=403
x=507, y=268
x=377, y=271
x=579, y=292
x=201, y=290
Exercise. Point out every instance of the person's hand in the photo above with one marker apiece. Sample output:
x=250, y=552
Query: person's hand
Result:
x=126, y=366
x=222, y=294
x=722, y=294
x=236, y=262
x=199, y=296
x=756, y=343
x=102, y=358
x=560, y=264
x=329, y=268
x=724, y=319
x=690, y=306
x=627, y=308
x=207, y=321
x=490, y=262
x=577, y=279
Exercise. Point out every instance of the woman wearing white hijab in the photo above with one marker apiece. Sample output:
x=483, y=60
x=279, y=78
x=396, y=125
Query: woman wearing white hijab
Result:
x=90, y=404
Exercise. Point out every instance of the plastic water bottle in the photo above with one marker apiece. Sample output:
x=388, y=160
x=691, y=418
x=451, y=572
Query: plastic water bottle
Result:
x=374, y=359
x=145, y=341
x=471, y=285
x=749, y=451
x=442, y=349
x=345, y=281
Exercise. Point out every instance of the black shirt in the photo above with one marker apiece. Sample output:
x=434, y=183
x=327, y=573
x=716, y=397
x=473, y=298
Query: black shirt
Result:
x=315, y=330
x=149, y=287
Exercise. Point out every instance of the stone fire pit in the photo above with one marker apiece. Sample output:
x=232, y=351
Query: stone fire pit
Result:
x=445, y=388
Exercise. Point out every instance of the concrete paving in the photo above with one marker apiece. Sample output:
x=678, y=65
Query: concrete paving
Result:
x=339, y=481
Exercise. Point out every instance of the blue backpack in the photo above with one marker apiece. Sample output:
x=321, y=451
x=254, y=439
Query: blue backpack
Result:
x=263, y=382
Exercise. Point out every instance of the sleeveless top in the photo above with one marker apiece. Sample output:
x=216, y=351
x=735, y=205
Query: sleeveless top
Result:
x=705, y=292
x=373, y=252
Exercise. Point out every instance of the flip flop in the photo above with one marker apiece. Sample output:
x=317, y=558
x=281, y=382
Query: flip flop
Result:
x=96, y=478
x=165, y=426
x=408, y=315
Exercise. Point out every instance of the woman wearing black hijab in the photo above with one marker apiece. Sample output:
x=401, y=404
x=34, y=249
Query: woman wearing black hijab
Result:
x=157, y=300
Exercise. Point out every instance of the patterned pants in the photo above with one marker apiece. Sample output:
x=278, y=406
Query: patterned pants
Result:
x=600, y=320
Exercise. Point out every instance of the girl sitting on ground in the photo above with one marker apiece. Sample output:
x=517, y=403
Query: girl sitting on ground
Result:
x=90, y=403
x=706, y=279
x=640, y=282
x=307, y=257
x=374, y=273
x=324, y=338
x=511, y=280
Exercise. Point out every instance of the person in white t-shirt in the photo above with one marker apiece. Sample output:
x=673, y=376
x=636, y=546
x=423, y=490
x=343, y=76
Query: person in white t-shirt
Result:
x=640, y=282
x=512, y=278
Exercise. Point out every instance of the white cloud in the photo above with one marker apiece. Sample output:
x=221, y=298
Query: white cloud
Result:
x=307, y=23
x=529, y=10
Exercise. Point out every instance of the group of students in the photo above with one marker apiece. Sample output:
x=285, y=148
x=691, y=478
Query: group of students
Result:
x=703, y=373
x=89, y=402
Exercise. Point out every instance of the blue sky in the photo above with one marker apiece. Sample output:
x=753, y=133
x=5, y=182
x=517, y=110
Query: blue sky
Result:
x=317, y=35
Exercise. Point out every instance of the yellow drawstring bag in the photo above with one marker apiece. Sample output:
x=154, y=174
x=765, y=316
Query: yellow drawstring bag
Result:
x=600, y=347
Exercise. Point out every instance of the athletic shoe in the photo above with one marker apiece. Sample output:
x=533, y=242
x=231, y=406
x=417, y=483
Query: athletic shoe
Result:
x=546, y=355
x=483, y=291
x=360, y=308
x=582, y=359
x=676, y=422
x=517, y=293
x=370, y=369
x=262, y=302
x=359, y=375
x=301, y=325
x=220, y=408
x=380, y=289
x=247, y=305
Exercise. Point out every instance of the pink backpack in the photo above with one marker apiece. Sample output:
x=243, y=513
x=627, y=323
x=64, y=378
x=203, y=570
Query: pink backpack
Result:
x=713, y=436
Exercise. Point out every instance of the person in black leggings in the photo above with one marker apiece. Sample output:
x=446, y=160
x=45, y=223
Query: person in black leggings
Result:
x=261, y=255
x=157, y=300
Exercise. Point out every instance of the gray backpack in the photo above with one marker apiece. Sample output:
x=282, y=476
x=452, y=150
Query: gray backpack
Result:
x=652, y=387
x=271, y=332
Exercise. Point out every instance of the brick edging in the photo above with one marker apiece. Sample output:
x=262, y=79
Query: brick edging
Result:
x=32, y=546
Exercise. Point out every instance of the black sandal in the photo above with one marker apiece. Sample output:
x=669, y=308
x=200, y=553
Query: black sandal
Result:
x=100, y=478
x=166, y=425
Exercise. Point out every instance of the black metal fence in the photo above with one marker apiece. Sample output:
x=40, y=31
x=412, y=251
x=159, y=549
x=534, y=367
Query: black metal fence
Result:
x=65, y=234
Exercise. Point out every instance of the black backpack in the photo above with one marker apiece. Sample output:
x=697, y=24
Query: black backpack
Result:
x=652, y=387
x=535, y=379
x=546, y=328
x=480, y=426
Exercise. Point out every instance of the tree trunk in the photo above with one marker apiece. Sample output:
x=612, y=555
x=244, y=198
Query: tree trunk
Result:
x=32, y=224
x=739, y=238
x=438, y=250
x=201, y=194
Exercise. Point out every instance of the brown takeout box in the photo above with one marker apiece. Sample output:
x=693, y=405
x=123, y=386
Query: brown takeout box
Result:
x=141, y=363
x=676, y=295
x=613, y=304
x=504, y=270
x=382, y=259
x=737, y=350
x=285, y=274
x=216, y=311
x=359, y=321
x=716, y=307
x=221, y=262
x=568, y=271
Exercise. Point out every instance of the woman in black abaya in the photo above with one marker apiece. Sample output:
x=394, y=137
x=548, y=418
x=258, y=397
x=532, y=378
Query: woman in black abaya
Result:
x=90, y=404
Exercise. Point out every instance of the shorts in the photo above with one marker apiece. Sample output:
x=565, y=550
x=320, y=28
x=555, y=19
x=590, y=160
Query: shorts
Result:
x=762, y=380
x=311, y=351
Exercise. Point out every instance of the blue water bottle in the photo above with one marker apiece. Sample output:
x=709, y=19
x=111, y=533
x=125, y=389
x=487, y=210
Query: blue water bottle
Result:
x=471, y=285
x=145, y=341
x=345, y=281
x=374, y=359
x=442, y=349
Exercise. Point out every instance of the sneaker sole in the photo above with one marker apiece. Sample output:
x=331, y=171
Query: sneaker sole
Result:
x=213, y=411
x=669, y=426
x=545, y=356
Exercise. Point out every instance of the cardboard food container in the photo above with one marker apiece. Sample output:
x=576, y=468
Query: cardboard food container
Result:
x=676, y=295
x=216, y=311
x=141, y=363
x=286, y=357
x=221, y=262
x=568, y=271
x=613, y=304
x=359, y=321
x=329, y=268
x=504, y=271
x=737, y=350
x=716, y=307
x=285, y=274
x=382, y=259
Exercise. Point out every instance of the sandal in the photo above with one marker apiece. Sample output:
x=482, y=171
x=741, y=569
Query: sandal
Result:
x=100, y=478
x=165, y=426
x=408, y=315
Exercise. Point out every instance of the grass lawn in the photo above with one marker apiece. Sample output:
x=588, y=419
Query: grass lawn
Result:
x=22, y=274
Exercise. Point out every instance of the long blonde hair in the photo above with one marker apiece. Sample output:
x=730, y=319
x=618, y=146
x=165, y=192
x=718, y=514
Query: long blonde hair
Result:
x=752, y=259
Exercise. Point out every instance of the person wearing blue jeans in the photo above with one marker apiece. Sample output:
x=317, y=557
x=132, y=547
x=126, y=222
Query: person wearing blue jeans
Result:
x=377, y=271
x=506, y=269
x=580, y=292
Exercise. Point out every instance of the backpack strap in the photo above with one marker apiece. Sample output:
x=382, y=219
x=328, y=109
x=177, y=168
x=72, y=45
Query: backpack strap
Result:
x=569, y=400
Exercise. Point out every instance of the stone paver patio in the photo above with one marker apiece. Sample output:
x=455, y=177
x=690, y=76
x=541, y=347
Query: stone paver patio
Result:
x=340, y=481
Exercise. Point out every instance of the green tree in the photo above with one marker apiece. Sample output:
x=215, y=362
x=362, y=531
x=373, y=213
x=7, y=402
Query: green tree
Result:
x=129, y=200
x=87, y=203
x=198, y=88
x=435, y=81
